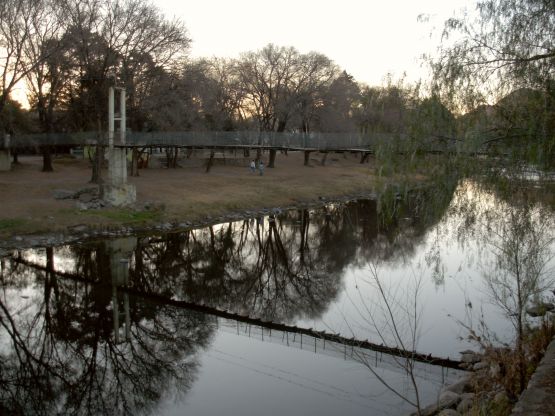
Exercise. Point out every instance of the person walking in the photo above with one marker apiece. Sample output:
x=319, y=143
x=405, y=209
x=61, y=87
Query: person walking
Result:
x=253, y=166
x=261, y=167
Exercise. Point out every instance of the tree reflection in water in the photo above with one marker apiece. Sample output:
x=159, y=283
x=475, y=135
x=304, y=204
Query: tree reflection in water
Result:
x=280, y=268
x=60, y=354
x=61, y=351
x=272, y=268
x=513, y=223
x=514, y=231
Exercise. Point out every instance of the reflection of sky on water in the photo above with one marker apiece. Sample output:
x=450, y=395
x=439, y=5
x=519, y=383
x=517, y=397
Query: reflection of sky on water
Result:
x=245, y=376
x=453, y=293
x=237, y=373
x=441, y=306
x=23, y=301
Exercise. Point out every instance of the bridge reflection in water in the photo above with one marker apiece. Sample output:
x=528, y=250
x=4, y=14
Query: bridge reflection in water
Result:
x=425, y=367
x=435, y=374
x=432, y=369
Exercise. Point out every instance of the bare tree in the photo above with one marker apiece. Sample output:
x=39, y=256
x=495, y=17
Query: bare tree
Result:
x=522, y=253
x=126, y=41
x=278, y=81
x=45, y=81
x=21, y=22
x=317, y=77
x=335, y=106
x=394, y=315
x=384, y=109
x=228, y=94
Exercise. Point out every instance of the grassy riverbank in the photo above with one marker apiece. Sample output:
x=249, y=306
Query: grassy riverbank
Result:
x=185, y=193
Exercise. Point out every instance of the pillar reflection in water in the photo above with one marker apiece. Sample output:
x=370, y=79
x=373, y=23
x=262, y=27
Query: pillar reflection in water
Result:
x=120, y=251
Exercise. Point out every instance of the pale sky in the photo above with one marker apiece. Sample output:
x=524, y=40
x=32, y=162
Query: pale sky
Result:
x=366, y=38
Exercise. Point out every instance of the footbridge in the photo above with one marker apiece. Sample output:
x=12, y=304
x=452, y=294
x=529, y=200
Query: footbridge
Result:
x=245, y=141
x=220, y=139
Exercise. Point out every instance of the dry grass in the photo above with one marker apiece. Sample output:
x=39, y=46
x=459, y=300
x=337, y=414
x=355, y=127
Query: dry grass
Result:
x=187, y=193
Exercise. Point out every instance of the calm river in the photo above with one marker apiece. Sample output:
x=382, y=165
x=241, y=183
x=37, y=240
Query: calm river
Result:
x=419, y=269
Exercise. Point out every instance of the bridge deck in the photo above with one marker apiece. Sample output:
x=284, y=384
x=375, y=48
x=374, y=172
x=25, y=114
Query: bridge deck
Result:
x=243, y=147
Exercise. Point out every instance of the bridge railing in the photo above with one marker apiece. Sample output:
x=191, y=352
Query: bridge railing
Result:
x=250, y=138
x=319, y=141
x=378, y=142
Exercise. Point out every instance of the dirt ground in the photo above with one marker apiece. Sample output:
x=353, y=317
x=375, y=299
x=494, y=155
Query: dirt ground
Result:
x=187, y=192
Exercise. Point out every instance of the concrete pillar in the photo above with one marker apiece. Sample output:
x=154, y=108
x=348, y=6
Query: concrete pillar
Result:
x=120, y=252
x=116, y=191
x=117, y=167
x=306, y=157
x=111, y=117
x=123, y=116
x=118, y=196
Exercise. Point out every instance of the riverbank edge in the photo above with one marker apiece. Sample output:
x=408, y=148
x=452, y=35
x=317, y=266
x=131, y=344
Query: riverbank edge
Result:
x=537, y=398
x=88, y=232
x=469, y=396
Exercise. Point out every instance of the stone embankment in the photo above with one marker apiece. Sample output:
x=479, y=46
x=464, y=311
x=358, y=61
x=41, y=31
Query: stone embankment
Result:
x=539, y=397
x=465, y=397
x=457, y=399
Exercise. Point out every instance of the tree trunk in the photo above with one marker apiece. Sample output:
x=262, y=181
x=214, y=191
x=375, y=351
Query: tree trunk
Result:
x=171, y=156
x=97, y=165
x=303, y=230
x=210, y=161
x=306, y=157
x=47, y=158
x=175, y=156
x=271, y=163
x=135, y=162
x=281, y=126
x=15, y=160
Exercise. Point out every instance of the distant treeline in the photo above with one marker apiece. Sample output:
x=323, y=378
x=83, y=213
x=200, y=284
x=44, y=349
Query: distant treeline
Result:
x=68, y=52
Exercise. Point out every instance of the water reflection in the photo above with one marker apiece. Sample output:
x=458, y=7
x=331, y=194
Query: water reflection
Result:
x=72, y=340
x=513, y=223
x=280, y=268
x=514, y=231
x=92, y=349
x=452, y=254
x=61, y=347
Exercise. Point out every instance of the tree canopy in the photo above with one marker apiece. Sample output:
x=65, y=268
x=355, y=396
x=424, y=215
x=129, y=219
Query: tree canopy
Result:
x=500, y=63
